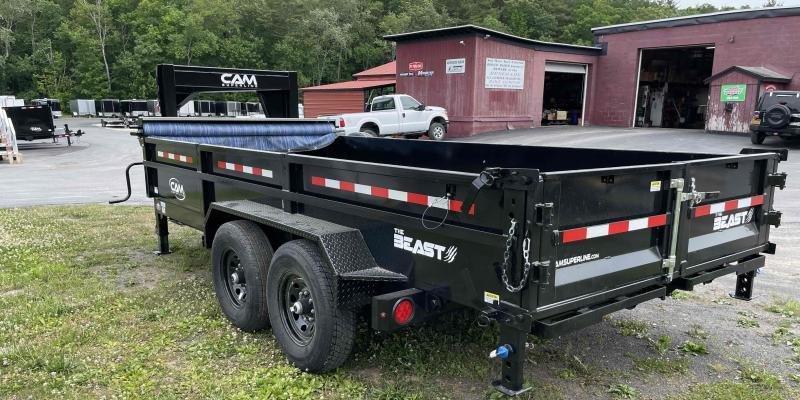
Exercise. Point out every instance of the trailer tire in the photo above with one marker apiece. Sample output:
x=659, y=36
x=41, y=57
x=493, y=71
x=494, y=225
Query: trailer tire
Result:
x=436, y=131
x=327, y=340
x=757, y=137
x=241, y=254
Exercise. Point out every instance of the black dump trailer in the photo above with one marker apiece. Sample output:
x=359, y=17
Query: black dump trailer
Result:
x=307, y=229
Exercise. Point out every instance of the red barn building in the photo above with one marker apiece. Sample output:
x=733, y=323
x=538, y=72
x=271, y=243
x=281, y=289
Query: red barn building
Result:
x=351, y=96
x=676, y=72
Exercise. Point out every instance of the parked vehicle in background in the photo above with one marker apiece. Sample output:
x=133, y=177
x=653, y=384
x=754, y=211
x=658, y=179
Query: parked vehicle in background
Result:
x=395, y=114
x=107, y=108
x=777, y=114
x=134, y=108
x=82, y=108
x=54, y=104
x=32, y=122
x=11, y=101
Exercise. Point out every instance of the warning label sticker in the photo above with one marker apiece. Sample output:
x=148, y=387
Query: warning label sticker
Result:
x=491, y=298
x=655, y=186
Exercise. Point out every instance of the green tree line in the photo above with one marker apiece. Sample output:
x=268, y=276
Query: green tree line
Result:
x=69, y=49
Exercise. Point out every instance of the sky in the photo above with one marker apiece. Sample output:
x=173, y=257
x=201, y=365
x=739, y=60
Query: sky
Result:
x=734, y=3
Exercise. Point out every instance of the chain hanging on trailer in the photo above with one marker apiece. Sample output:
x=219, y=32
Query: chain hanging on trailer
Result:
x=526, y=247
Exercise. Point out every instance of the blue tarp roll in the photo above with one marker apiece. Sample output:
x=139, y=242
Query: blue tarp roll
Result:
x=269, y=136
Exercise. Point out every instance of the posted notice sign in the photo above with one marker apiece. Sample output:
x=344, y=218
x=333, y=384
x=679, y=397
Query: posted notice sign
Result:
x=733, y=92
x=504, y=74
x=455, y=65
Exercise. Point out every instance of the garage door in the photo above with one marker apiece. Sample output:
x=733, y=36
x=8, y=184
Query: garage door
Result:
x=565, y=68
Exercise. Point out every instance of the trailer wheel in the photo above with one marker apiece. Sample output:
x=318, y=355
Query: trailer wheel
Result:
x=241, y=254
x=757, y=137
x=436, y=131
x=314, y=334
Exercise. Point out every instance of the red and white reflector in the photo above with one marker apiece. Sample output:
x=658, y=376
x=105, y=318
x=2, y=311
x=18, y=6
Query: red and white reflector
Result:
x=613, y=228
x=399, y=195
x=175, y=157
x=729, y=205
x=246, y=169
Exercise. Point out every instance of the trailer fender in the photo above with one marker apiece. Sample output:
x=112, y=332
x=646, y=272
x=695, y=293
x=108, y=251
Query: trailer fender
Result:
x=358, y=276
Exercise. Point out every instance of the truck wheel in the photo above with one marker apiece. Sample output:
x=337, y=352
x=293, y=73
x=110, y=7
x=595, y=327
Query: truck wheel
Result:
x=757, y=137
x=314, y=334
x=368, y=132
x=436, y=131
x=240, y=255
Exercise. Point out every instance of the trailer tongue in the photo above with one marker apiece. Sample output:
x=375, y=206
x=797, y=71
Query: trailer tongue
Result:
x=307, y=228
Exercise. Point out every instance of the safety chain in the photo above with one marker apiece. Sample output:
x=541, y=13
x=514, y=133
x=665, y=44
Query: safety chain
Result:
x=526, y=247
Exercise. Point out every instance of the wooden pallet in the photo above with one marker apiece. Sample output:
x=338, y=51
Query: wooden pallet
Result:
x=8, y=149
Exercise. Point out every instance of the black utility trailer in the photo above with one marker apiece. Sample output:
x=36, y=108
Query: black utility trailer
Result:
x=36, y=123
x=307, y=229
x=541, y=240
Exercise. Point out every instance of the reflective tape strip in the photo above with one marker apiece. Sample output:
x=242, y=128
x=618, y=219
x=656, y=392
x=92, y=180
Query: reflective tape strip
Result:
x=398, y=195
x=613, y=228
x=245, y=169
x=729, y=205
x=175, y=157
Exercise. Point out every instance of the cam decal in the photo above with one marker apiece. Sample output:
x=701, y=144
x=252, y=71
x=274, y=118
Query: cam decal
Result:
x=176, y=187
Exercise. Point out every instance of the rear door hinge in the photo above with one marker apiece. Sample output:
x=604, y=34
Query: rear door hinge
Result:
x=543, y=214
x=542, y=269
x=773, y=218
x=777, y=179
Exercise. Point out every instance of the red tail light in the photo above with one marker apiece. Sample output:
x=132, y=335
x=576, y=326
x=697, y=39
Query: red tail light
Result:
x=756, y=114
x=341, y=122
x=403, y=311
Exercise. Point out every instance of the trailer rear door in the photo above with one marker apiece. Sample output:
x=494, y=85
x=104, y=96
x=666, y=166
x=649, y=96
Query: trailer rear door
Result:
x=610, y=229
x=735, y=219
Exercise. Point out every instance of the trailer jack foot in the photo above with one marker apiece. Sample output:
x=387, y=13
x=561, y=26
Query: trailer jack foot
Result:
x=162, y=228
x=513, y=358
x=744, y=286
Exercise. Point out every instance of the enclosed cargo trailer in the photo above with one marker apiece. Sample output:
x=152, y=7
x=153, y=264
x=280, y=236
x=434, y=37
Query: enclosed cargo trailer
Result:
x=82, y=108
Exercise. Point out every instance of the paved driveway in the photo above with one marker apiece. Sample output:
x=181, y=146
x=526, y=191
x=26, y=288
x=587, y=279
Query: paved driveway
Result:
x=91, y=171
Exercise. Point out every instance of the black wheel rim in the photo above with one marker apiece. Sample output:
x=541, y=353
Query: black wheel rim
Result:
x=297, y=309
x=233, y=275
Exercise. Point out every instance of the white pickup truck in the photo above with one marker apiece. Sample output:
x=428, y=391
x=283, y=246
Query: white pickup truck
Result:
x=395, y=114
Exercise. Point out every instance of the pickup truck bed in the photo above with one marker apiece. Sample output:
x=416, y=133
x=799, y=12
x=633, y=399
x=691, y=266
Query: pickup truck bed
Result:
x=540, y=240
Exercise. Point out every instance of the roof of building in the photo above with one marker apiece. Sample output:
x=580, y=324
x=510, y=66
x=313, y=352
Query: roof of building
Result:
x=761, y=73
x=353, y=85
x=389, y=68
x=474, y=29
x=710, y=18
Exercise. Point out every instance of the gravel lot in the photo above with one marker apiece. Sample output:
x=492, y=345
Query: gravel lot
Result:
x=90, y=171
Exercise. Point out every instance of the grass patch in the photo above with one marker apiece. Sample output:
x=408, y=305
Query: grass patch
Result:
x=698, y=332
x=785, y=307
x=86, y=311
x=622, y=391
x=661, y=343
x=628, y=327
x=694, y=348
x=661, y=365
x=747, y=323
x=729, y=389
x=681, y=295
